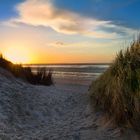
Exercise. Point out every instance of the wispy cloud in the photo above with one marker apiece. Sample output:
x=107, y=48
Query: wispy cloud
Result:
x=44, y=13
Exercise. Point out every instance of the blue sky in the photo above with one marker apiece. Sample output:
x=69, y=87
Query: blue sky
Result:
x=7, y=8
x=78, y=30
x=125, y=12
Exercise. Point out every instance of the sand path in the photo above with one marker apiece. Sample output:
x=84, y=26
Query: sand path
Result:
x=60, y=112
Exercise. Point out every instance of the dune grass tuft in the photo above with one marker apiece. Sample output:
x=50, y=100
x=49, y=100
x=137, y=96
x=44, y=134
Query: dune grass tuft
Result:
x=117, y=91
x=42, y=77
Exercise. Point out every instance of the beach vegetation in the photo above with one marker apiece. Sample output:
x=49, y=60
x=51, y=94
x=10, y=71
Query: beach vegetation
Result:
x=41, y=77
x=117, y=90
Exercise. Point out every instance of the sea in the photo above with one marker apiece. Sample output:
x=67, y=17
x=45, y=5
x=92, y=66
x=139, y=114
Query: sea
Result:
x=73, y=73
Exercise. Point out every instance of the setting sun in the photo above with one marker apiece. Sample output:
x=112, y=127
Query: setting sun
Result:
x=70, y=69
x=17, y=55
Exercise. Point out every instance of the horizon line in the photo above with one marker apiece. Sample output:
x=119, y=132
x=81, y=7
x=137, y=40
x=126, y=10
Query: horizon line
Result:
x=102, y=63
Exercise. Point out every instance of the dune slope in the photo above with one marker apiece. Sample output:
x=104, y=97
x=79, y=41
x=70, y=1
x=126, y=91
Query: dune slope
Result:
x=49, y=113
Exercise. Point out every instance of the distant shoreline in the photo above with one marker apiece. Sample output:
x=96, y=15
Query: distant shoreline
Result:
x=73, y=73
x=68, y=64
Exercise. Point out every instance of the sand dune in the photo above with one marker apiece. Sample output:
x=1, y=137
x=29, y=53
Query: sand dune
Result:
x=60, y=112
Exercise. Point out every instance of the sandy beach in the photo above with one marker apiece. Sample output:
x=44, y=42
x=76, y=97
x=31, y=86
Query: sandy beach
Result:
x=58, y=112
x=69, y=70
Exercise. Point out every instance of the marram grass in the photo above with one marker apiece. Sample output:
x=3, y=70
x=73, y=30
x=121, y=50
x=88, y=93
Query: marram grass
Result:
x=42, y=77
x=117, y=91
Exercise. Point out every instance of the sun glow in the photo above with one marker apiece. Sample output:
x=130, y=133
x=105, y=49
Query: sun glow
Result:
x=17, y=55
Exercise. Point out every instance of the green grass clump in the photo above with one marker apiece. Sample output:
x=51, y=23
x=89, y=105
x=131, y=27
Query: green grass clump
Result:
x=42, y=77
x=117, y=91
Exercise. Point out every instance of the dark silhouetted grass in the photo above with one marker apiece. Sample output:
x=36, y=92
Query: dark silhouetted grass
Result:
x=42, y=77
x=117, y=91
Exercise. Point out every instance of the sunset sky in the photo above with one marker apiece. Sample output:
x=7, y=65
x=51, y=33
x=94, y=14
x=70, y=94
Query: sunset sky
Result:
x=66, y=31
